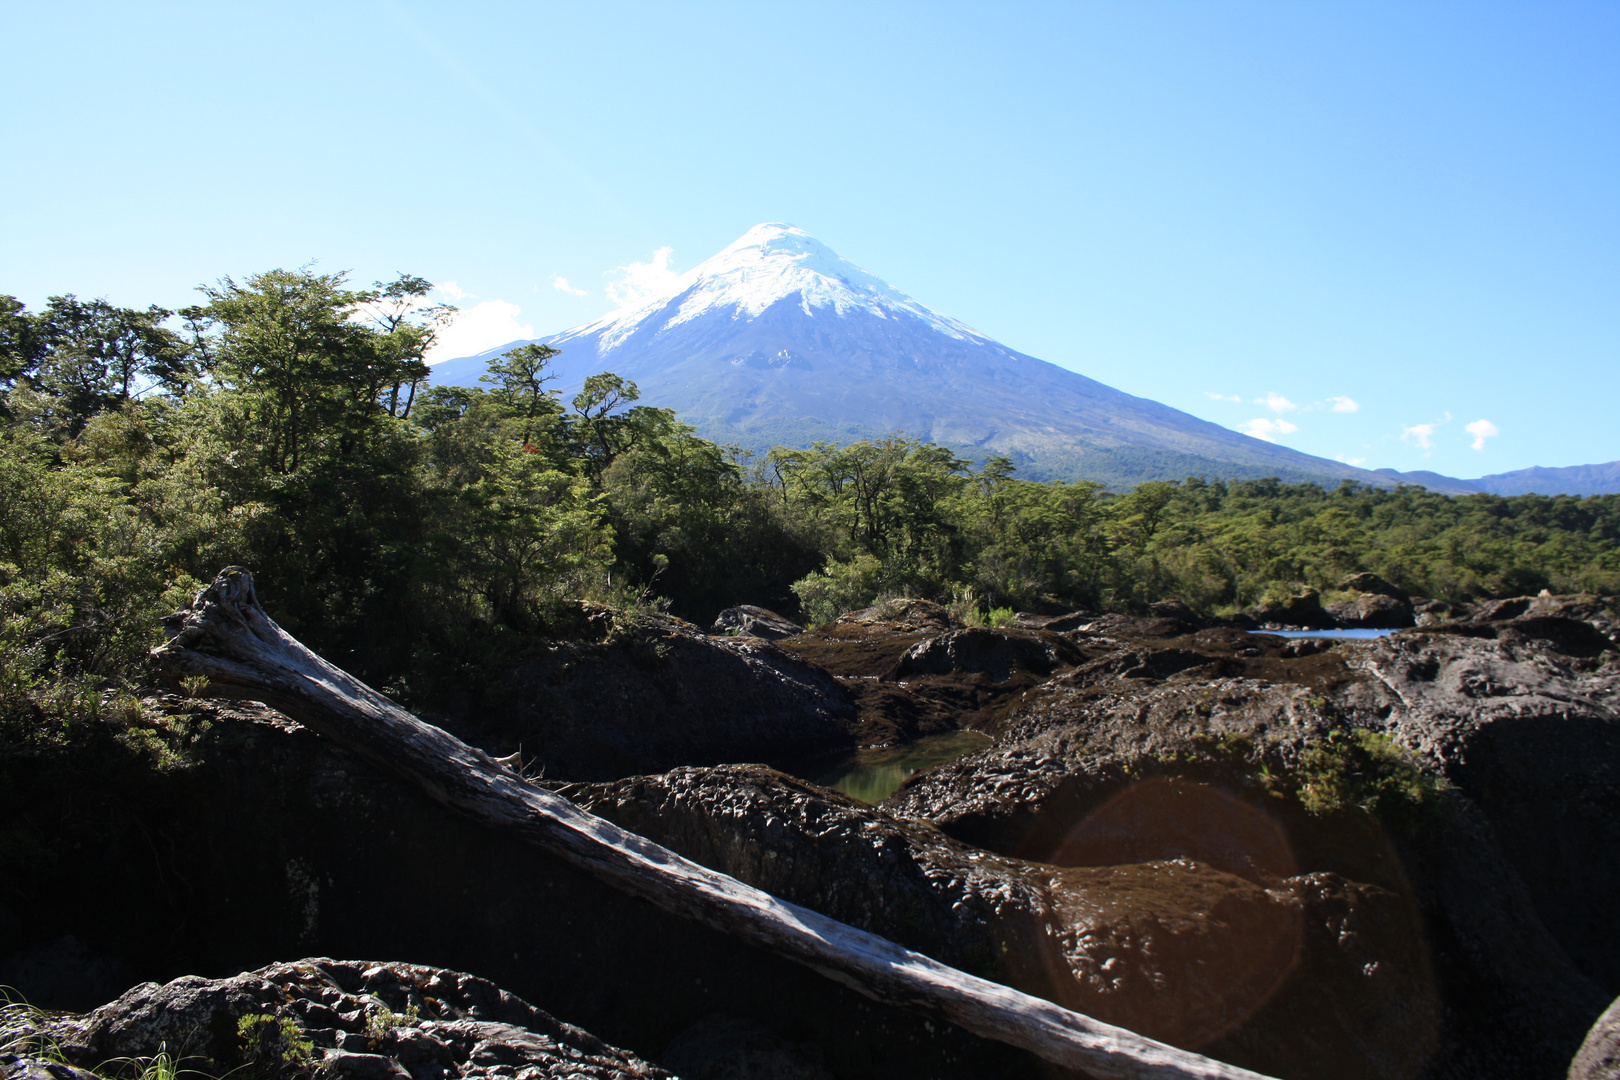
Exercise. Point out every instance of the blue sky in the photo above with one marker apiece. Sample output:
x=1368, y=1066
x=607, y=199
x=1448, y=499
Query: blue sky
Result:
x=1409, y=208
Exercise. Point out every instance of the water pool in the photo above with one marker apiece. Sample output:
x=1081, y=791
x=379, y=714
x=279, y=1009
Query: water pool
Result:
x=873, y=775
x=1335, y=635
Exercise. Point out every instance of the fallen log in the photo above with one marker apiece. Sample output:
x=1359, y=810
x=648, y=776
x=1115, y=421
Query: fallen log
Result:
x=227, y=638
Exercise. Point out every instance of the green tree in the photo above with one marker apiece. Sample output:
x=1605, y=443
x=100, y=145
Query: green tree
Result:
x=520, y=377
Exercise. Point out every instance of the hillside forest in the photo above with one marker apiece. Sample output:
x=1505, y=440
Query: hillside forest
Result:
x=422, y=535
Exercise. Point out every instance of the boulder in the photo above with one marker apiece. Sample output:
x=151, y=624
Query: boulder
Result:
x=1372, y=583
x=658, y=694
x=996, y=654
x=1172, y=608
x=344, y=1019
x=1301, y=612
x=745, y=620
x=1599, y=1056
x=1373, y=611
x=906, y=614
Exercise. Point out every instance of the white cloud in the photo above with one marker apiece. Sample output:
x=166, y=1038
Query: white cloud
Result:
x=1276, y=403
x=455, y=292
x=1422, y=435
x=1263, y=428
x=1481, y=430
x=1222, y=397
x=1345, y=404
x=560, y=283
x=643, y=280
x=482, y=326
x=1357, y=461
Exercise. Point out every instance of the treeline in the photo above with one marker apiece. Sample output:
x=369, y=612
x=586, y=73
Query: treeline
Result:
x=418, y=534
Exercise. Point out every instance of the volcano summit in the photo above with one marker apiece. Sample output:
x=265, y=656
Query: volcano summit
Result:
x=780, y=340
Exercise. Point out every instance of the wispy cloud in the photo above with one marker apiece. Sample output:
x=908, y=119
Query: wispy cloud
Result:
x=642, y=280
x=1422, y=435
x=1345, y=404
x=1267, y=429
x=1238, y=398
x=560, y=283
x=455, y=292
x=1357, y=461
x=1481, y=430
x=1276, y=403
x=482, y=326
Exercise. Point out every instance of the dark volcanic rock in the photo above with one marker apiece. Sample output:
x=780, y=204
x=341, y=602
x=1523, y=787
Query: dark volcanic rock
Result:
x=1372, y=583
x=1177, y=949
x=996, y=654
x=356, y=1019
x=1373, y=611
x=1303, y=612
x=747, y=620
x=273, y=843
x=1511, y=873
x=659, y=694
x=913, y=672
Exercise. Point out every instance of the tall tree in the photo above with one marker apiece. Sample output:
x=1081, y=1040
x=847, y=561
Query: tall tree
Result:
x=520, y=378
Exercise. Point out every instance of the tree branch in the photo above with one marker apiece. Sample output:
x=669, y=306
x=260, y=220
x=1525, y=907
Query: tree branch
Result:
x=227, y=637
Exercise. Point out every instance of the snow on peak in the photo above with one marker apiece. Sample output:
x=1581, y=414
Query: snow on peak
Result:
x=768, y=263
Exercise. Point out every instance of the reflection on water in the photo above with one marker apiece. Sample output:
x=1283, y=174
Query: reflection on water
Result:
x=1338, y=635
x=873, y=775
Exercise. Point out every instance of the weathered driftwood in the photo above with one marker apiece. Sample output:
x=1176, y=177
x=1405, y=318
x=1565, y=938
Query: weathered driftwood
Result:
x=227, y=638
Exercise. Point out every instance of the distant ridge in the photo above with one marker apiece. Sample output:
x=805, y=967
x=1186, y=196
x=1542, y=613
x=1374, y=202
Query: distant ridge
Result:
x=1537, y=480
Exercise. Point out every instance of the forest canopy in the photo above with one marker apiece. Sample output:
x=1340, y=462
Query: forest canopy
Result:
x=416, y=534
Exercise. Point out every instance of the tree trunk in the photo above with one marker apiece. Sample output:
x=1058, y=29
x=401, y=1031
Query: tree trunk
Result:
x=227, y=638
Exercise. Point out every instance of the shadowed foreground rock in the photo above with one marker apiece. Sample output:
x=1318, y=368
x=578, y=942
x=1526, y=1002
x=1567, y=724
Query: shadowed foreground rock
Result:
x=659, y=693
x=1306, y=975
x=368, y=1021
x=746, y=620
x=1599, y=1056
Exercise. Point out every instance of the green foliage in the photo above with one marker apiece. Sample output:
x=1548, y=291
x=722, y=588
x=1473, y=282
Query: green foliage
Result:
x=1366, y=770
x=274, y=1047
x=22, y=1029
x=419, y=535
x=1344, y=770
x=381, y=1020
x=840, y=587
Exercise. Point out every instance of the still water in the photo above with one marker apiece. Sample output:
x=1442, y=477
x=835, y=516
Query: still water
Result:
x=873, y=775
x=1337, y=635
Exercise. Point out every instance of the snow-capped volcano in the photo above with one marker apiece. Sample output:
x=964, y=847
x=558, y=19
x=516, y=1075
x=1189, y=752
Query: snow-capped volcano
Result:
x=779, y=340
x=767, y=264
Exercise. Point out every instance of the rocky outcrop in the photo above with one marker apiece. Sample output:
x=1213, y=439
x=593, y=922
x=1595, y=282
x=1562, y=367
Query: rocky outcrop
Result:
x=1301, y=612
x=340, y=1018
x=913, y=671
x=659, y=694
x=995, y=654
x=746, y=620
x=267, y=842
x=1599, y=1056
x=1177, y=949
x=1374, y=604
x=1509, y=870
